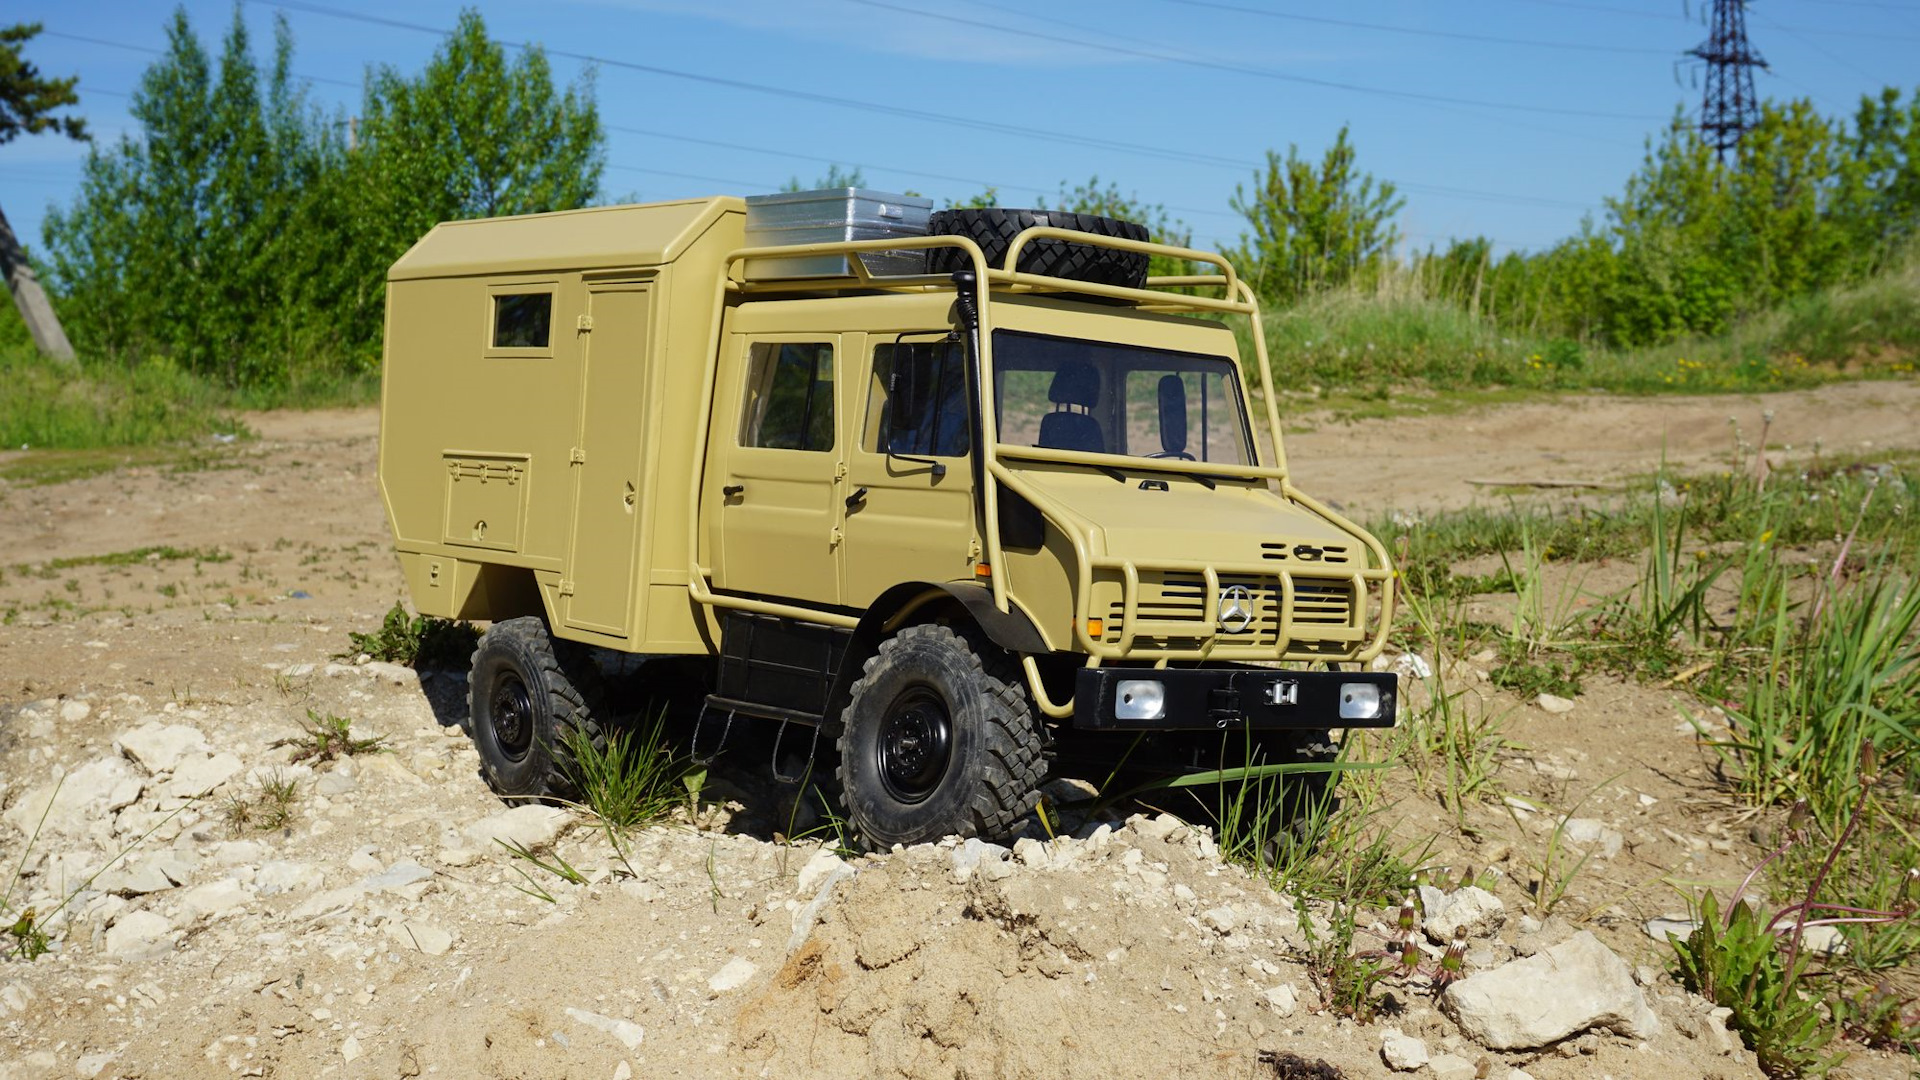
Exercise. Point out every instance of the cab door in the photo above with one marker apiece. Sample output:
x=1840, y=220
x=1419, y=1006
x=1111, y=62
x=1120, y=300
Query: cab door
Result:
x=610, y=485
x=783, y=503
x=910, y=485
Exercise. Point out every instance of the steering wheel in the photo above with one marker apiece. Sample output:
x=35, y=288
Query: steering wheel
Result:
x=1178, y=455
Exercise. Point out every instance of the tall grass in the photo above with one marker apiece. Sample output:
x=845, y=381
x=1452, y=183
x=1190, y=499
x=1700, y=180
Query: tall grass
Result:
x=43, y=406
x=1390, y=331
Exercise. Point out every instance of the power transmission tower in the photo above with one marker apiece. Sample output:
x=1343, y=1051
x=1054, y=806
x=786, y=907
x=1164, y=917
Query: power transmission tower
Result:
x=1730, y=107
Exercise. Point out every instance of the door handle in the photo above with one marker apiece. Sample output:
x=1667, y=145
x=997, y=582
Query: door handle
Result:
x=857, y=499
x=731, y=490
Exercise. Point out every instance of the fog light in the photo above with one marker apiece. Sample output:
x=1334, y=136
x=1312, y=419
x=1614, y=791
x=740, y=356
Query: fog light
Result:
x=1359, y=701
x=1139, y=699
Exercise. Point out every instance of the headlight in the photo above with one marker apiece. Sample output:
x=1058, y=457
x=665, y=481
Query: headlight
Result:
x=1358, y=701
x=1139, y=699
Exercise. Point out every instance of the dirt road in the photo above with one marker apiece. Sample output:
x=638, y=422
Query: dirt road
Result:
x=167, y=631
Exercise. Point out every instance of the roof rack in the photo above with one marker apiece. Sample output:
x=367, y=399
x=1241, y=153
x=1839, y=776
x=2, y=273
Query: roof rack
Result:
x=1159, y=294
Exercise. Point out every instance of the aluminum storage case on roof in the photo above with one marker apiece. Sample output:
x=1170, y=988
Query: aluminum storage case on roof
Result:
x=835, y=215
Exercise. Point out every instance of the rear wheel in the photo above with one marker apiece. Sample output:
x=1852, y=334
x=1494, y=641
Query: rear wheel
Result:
x=938, y=739
x=527, y=698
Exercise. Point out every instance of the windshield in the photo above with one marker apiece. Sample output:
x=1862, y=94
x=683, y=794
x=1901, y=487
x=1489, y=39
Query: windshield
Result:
x=1101, y=398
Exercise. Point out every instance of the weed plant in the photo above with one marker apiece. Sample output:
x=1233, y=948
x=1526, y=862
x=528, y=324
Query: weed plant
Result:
x=418, y=641
x=632, y=779
x=325, y=737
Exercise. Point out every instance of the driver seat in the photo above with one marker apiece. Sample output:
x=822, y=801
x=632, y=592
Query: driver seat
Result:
x=1075, y=385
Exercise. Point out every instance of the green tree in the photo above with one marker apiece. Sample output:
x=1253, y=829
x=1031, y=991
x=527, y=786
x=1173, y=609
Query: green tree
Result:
x=26, y=97
x=473, y=135
x=181, y=243
x=1314, y=228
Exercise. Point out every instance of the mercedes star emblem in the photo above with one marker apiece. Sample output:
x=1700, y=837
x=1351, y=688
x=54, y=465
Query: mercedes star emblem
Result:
x=1236, y=609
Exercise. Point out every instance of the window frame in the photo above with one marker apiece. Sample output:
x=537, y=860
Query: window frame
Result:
x=876, y=425
x=747, y=371
x=550, y=287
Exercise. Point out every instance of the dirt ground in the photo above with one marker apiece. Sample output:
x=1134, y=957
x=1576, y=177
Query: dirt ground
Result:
x=380, y=933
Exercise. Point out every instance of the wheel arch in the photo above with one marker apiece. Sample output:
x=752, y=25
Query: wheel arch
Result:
x=914, y=602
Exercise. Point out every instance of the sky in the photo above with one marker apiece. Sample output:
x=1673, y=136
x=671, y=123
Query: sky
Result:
x=1511, y=119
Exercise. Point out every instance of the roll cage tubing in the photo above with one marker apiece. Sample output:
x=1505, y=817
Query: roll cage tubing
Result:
x=1236, y=299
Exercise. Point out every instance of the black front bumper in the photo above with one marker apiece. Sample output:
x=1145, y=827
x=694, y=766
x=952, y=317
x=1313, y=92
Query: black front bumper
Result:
x=1230, y=697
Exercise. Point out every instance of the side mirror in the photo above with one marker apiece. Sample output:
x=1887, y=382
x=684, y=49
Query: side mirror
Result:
x=1173, y=415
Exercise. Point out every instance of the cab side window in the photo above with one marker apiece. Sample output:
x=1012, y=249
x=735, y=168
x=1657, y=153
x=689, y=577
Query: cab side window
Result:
x=789, y=403
x=919, y=400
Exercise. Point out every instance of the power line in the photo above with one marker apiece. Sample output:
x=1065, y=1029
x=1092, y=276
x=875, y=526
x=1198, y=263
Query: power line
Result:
x=1667, y=17
x=1037, y=134
x=162, y=52
x=1263, y=73
x=1422, y=32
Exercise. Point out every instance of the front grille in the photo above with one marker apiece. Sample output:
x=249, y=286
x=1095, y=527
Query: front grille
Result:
x=1181, y=599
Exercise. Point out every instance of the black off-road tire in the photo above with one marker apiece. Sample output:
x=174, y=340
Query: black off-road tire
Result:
x=526, y=696
x=992, y=769
x=994, y=228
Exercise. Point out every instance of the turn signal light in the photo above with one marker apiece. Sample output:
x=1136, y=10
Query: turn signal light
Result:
x=1096, y=629
x=982, y=570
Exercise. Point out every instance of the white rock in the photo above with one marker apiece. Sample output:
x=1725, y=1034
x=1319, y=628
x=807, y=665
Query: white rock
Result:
x=139, y=934
x=1595, y=835
x=971, y=852
x=392, y=674
x=1403, y=1053
x=623, y=1071
x=350, y=1048
x=1823, y=940
x=1555, y=704
x=92, y=1065
x=158, y=747
x=1154, y=828
x=72, y=805
x=628, y=1032
x=822, y=865
x=334, y=784
x=1574, y=986
x=281, y=876
x=1031, y=852
x=75, y=711
x=421, y=936
x=1518, y=1074
x=214, y=899
x=1412, y=666
x=733, y=975
x=1474, y=910
x=397, y=877
x=1451, y=1067
x=198, y=774
x=1678, y=925
x=156, y=873
x=1281, y=999
x=531, y=827
x=1222, y=919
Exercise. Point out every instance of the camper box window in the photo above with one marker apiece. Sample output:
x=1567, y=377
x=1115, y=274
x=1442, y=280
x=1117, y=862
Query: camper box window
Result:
x=522, y=320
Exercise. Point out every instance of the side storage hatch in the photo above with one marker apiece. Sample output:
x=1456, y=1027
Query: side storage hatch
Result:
x=598, y=589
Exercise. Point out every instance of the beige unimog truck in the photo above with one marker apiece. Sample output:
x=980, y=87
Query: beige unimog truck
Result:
x=941, y=490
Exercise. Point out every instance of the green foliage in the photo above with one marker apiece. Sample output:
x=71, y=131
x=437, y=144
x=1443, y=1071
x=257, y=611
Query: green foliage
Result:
x=26, y=97
x=1737, y=963
x=244, y=235
x=1314, y=228
x=1348, y=982
x=633, y=779
x=45, y=406
x=418, y=641
x=325, y=737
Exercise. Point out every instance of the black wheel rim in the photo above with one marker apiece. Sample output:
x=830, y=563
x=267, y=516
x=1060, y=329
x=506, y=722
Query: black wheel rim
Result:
x=510, y=710
x=915, y=745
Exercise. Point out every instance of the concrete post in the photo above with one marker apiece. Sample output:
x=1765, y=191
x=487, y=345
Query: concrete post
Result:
x=31, y=299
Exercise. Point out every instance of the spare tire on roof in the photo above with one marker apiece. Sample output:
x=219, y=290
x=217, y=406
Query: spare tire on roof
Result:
x=993, y=228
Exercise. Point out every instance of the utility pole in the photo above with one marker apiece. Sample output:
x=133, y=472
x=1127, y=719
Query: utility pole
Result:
x=31, y=299
x=1730, y=107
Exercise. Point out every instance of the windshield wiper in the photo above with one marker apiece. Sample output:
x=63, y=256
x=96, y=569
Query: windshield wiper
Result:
x=1108, y=469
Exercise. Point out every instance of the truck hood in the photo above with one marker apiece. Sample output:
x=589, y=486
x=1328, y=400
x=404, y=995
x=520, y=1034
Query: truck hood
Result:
x=1233, y=522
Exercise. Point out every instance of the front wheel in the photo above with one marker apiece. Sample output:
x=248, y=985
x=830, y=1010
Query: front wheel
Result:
x=938, y=739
